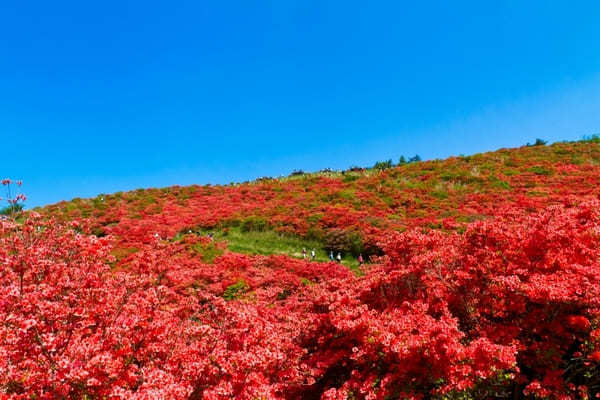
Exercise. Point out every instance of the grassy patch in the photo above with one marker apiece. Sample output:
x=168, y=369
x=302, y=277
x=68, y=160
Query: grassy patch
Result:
x=540, y=170
x=271, y=242
x=208, y=252
x=234, y=291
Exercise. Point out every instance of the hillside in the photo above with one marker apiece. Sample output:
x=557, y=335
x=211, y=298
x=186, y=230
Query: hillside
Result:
x=482, y=281
x=347, y=211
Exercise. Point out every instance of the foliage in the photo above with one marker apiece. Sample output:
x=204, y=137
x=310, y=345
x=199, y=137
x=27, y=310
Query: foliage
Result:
x=538, y=142
x=343, y=241
x=254, y=224
x=11, y=209
x=15, y=201
x=234, y=290
x=270, y=242
x=592, y=139
x=382, y=165
x=508, y=307
x=417, y=194
x=484, y=284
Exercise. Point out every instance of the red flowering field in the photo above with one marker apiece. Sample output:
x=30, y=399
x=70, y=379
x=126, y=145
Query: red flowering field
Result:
x=482, y=282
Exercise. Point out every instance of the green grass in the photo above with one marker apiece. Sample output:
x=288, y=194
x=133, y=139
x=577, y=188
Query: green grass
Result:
x=270, y=242
x=235, y=290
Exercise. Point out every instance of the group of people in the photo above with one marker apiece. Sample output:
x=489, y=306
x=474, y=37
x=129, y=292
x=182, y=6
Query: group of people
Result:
x=337, y=258
x=313, y=254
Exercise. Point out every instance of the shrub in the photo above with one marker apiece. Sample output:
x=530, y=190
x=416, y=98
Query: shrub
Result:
x=11, y=209
x=350, y=178
x=540, y=170
x=591, y=139
x=440, y=194
x=315, y=233
x=254, y=224
x=538, y=142
x=355, y=168
x=208, y=251
x=382, y=165
x=342, y=241
x=527, y=284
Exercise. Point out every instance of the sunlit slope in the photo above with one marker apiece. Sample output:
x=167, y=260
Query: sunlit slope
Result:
x=442, y=194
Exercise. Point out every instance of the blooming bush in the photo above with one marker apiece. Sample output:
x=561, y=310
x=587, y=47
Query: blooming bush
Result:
x=509, y=306
x=488, y=291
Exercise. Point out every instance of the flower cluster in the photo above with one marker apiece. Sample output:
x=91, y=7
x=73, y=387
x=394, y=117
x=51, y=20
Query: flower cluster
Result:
x=16, y=199
x=509, y=306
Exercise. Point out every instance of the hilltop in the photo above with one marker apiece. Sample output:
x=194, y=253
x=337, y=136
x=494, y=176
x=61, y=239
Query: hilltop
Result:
x=482, y=281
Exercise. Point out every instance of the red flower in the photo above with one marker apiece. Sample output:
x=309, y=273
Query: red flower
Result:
x=595, y=356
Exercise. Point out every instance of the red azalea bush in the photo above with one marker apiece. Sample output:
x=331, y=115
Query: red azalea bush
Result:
x=527, y=283
x=507, y=309
x=72, y=327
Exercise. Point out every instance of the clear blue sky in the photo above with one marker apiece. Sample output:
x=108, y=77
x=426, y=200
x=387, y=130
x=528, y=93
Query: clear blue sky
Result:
x=102, y=96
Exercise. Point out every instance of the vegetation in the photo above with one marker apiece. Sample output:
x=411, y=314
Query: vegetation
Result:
x=483, y=283
x=382, y=165
x=235, y=290
x=269, y=242
x=11, y=209
x=15, y=201
x=538, y=142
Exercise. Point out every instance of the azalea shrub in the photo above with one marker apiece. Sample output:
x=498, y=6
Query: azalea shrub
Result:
x=524, y=285
x=506, y=309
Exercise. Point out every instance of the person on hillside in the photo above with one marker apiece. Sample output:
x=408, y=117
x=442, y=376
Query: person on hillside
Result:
x=339, y=258
x=304, y=253
x=331, y=258
x=360, y=259
x=313, y=254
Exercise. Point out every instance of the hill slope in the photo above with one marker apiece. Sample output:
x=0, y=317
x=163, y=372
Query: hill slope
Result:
x=347, y=211
x=483, y=283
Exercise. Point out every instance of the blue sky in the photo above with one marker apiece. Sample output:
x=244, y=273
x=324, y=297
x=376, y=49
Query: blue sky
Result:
x=97, y=97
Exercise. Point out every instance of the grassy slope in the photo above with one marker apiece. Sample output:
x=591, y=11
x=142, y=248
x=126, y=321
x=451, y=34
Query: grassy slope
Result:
x=272, y=242
x=307, y=207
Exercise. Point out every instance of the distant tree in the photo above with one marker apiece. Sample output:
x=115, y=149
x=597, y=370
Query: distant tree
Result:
x=416, y=158
x=381, y=165
x=592, y=139
x=538, y=142
x=402, y=160
x=297, y=172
